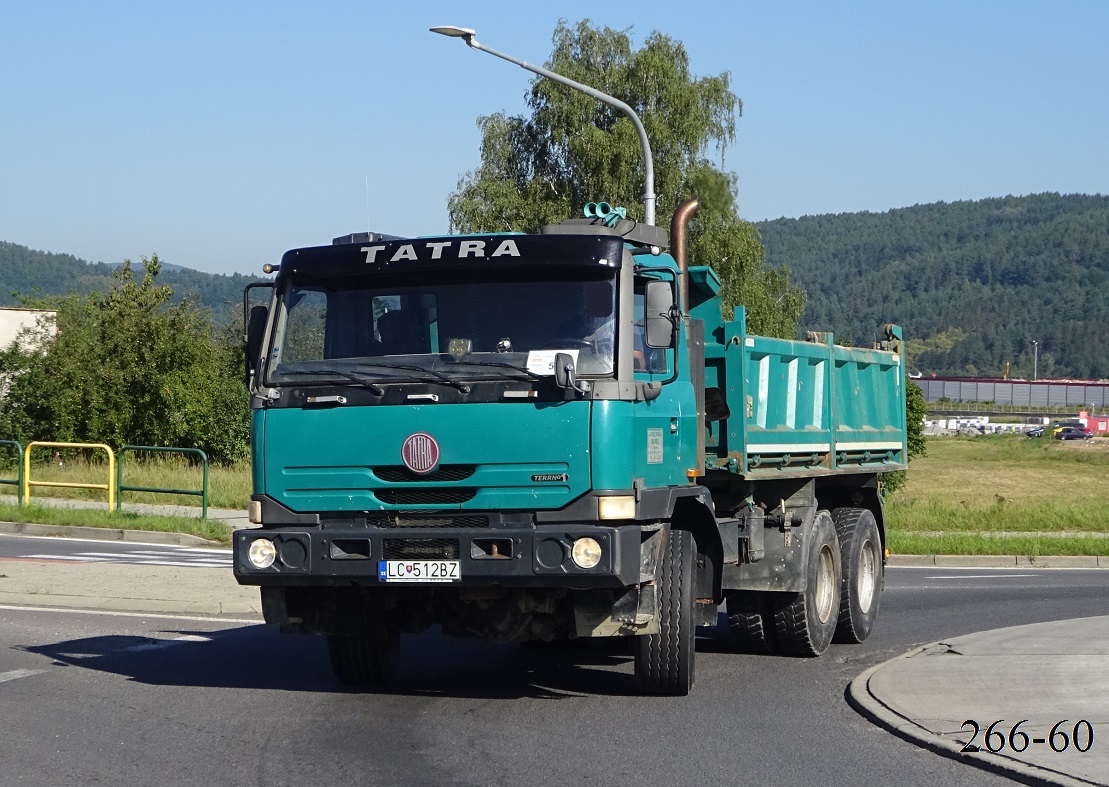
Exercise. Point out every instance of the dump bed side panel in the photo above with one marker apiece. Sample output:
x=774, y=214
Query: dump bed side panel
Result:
x=805, y=408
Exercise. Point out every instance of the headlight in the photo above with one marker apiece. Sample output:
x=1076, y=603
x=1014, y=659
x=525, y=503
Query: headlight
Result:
x=586, y=552
x=262, y=553
x=616, y=507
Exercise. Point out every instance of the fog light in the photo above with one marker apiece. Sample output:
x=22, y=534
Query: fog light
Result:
x=262, y=553
x=616, y=507
x=586, y=552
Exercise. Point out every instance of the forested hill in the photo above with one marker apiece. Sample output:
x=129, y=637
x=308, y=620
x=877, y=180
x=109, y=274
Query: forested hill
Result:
x=40, y=274
x=972, y=283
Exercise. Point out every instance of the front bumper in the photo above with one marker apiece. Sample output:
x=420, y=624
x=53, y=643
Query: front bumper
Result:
x=519, y=557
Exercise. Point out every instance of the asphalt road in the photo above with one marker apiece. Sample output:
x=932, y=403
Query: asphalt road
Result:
x=140, y=700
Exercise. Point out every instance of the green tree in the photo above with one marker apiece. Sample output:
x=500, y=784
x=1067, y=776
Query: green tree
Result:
x=128, y=368
x=572, y=149
x=916, y=410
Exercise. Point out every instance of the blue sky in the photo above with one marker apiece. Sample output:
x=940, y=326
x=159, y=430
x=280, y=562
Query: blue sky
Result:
x=220, y=134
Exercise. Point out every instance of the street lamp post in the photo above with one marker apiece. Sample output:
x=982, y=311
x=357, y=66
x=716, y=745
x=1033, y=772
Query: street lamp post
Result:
x=1035, y=358
x=468, y=35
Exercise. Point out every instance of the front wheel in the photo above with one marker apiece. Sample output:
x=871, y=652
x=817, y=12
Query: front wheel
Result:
x=368, y=658
x=664, y=662
x=805, y=622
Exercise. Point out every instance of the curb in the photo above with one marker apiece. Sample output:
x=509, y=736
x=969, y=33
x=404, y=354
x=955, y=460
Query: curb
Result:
x=107, y=534
x=874, y=710
x=998, y=561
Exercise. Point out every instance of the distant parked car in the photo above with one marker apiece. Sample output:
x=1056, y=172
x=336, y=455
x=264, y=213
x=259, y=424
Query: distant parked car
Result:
x=1035, y=431
x=1073, y=433
x=1058, y=426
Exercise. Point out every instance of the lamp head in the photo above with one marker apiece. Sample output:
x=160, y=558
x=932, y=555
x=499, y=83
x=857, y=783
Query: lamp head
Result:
x=453, y=31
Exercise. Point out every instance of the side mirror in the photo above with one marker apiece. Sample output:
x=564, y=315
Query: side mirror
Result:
x=255, y=328
x=659, y=303
x=564, y=370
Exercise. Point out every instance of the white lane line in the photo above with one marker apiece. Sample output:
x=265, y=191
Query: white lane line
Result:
x=164, y=557
x=983, y=576
x=183, y=550
x=995, y=569
x=178, y=563
x=162, y=644
x=131, y=559
x=15, y=674
x=109, y=613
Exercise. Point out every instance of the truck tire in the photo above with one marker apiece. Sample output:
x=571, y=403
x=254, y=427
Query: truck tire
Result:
x=751, y=620
x=861, y=557
x=805, y=622
x=664, y=662
x=369, y=658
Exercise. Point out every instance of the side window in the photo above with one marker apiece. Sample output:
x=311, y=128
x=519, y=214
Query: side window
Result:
x=644, y=358
x=305, y=326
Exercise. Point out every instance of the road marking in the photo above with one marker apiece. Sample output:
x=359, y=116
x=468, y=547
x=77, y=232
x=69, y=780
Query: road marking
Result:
x=138, y=558
x=15, y=674
x=983, y=576
x=158, y=615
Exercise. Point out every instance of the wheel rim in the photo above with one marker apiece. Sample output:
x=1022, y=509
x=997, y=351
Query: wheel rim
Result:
x=825, y=584
x=866, y=579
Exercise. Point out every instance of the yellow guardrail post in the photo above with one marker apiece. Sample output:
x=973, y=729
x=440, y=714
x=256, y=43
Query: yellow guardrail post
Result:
x=109, y=487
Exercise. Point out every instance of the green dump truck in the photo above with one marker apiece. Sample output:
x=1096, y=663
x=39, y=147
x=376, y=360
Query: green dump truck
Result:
x=542, y=437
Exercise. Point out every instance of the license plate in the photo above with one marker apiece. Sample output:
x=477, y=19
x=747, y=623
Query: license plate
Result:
x=419, y=570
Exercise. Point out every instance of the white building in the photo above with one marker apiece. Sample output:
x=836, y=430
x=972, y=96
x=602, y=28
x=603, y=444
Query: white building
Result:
x=14, y=320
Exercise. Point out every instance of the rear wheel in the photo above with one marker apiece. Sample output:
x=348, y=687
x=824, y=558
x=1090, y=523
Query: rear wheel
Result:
x=369, y=658
x=805, y=622
x=664, y=662
x=861, y=556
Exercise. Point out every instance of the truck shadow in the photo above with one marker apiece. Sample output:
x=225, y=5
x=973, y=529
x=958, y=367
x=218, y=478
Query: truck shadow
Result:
x=432, y=665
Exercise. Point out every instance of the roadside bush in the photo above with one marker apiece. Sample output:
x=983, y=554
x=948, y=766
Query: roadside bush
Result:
x=126, y=367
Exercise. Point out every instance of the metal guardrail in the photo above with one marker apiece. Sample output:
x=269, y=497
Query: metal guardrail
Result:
x=28, y=483
x=202, y=492
x=17, y=482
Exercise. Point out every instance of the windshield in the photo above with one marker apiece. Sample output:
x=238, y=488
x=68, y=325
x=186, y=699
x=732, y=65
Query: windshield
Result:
x=450, y=322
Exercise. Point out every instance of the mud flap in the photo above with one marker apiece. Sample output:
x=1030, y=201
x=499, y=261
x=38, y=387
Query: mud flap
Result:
x=629, y=612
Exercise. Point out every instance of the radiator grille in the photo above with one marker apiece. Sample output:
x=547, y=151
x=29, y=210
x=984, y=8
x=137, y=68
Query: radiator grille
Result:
x=427, y=520
x=418, y=497
x=399, y=474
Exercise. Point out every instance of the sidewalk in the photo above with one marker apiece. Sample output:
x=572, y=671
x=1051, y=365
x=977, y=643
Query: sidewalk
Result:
x=127, y=588
x=1044, y=672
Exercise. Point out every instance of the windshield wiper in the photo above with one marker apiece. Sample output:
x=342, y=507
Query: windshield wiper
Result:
x=502, y=364
x=370, y=385
x=461, y=387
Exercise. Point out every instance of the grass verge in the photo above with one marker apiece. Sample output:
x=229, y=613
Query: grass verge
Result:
x=1032, y=517
x=42, y=515
x=228, y=486
x=975, y=544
